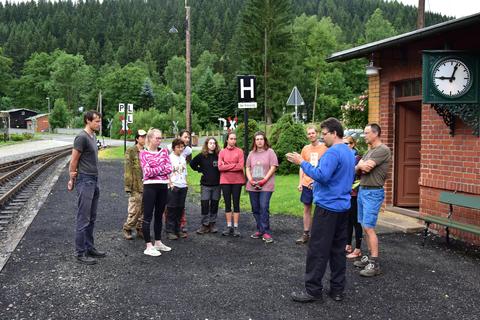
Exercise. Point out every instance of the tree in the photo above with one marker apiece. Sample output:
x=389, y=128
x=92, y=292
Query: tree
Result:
x=267, y=21
x=174, y=74
x=59, y=116
x=147, y=97
x=378, y=28
x=5, y=73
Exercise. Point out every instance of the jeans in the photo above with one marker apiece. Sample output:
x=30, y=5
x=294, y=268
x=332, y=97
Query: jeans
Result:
x=260, y=202
x=176, y=205
x=326, y=246
x=87, y=202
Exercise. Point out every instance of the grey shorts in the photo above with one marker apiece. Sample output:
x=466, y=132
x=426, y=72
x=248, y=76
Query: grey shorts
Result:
x=210, y=193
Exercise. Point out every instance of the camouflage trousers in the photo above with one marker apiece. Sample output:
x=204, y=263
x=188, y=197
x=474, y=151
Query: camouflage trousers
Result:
x=135, y=212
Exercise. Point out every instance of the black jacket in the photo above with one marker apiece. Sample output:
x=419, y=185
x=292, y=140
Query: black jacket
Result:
x=208, y=166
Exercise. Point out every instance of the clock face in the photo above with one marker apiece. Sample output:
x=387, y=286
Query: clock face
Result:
x=452, y=78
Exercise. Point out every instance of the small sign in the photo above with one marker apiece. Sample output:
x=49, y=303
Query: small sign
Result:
x=247, y=105
x=295, y=98
x=130, y=108
x=121, y=107
x=123, y=127
x=246, y=91
x=129, y=118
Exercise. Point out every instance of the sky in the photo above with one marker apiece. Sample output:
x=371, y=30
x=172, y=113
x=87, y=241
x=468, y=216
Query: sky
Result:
x=455, y=8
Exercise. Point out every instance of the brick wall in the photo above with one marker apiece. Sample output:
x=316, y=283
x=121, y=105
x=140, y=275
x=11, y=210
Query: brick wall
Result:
x=448, y=164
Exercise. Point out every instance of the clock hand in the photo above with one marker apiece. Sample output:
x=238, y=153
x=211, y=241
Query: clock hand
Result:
x=453, y=73
x=443, y=78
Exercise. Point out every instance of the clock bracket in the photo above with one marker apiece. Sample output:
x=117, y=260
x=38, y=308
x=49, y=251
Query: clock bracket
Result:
x=469, y=113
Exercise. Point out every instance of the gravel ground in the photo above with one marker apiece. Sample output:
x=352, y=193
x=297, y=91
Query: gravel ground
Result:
x=213, y=277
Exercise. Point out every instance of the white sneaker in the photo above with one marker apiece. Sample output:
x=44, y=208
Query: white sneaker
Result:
x=151, y=251
x=162, y=247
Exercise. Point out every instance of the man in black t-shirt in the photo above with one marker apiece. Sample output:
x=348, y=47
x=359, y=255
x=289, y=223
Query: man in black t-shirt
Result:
x=83, y=171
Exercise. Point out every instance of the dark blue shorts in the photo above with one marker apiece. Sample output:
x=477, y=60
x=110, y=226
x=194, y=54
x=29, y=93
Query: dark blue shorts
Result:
x=306, y=196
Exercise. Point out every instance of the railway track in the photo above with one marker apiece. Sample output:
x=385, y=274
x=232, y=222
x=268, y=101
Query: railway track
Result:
x=20, y=179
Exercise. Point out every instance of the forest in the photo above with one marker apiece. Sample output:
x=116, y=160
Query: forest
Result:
x=71, y=51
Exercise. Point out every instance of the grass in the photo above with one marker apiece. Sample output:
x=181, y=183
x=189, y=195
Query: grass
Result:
x=285, y=199
x=111, y=153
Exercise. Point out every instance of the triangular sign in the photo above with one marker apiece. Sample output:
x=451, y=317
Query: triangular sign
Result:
x=295, y=98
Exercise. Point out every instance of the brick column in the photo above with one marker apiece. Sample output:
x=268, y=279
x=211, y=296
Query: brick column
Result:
x=374, y=99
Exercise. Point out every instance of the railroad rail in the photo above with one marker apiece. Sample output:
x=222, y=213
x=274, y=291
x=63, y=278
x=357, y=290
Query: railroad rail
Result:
x=20, y=181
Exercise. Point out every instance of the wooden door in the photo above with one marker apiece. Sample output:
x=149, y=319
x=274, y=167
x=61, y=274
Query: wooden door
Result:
x=407, y=155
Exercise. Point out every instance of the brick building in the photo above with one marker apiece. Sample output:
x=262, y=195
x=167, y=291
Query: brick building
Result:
x=38, y=123
x=430, y=153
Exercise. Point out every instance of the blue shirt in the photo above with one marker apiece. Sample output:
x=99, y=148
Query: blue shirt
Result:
x=333, y=178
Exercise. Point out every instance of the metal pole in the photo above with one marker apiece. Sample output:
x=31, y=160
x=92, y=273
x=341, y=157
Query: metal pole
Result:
x=188, y=81
x=296, y=108
x=245, y=138
x=265, y=81
x=49, y=126
x=125, y=128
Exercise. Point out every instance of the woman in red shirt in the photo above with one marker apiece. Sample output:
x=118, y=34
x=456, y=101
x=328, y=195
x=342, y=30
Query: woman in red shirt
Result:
x=230, y=164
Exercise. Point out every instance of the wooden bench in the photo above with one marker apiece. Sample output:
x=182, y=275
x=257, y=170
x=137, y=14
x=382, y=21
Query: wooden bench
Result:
x=453, y=199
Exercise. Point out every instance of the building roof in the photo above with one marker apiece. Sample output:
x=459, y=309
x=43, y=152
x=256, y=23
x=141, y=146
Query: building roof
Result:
x=37, y=116
x=364, y=50
x=18, y=109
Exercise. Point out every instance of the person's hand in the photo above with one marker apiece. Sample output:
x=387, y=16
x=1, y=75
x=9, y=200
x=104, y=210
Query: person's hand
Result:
x=252, y=182
x=262, y=182
x=71, y=184
x=73, y=175
x=310, y=186
x=300, y=187
x=294, y=157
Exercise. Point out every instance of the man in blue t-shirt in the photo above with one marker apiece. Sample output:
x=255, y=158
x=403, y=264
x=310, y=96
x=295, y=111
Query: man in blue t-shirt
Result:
x=333, y=178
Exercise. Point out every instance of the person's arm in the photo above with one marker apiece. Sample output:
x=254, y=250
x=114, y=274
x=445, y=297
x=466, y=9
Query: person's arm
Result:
x=300, y=178
x=128, y=176
x=269, y=174
x=324, y=171
x=151, y=168
x=73, y=167
x=195, y=163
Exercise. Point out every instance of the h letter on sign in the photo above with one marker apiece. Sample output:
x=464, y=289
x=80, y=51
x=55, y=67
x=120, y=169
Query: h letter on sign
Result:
x=244, y=88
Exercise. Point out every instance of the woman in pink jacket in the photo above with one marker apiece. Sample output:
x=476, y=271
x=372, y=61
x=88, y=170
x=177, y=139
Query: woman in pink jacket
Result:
x=230, y=164
x=156, y=167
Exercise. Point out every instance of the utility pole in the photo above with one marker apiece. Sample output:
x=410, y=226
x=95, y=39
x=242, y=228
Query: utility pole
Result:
x=421, y=14
x=49, y=115
x=188, y=80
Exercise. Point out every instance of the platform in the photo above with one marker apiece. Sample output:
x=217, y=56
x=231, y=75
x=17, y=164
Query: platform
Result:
x=214, y=277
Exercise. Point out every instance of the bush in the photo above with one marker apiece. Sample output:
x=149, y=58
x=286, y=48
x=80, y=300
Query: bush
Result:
x=291, y=139
x=27, y=136
x=17, y=137
x=282, y=124
x=252, y=128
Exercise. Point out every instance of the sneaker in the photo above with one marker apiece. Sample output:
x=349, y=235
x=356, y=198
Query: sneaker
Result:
x=371, y=270
x=161, y=247
x=127, y=234
x=172, y=236
x=256, y=235
x=303, y=239
x=151, y=251
x=267, y=238
x=236, y=233
x=362, y=263
x=203, y=229
x=183, y=234
x=228, y=231
x=213, y=228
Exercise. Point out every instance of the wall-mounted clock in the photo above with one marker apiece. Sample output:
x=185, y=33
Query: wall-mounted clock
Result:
x=451, y=77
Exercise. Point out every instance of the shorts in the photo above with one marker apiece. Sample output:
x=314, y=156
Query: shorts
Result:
x=369, y=202
x=307, y=195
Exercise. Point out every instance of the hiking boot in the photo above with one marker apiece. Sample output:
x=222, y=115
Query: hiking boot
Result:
x=83, y=259
x=228, y=231
x=213, y=228
x=304, y=297
x=362, y=263
x=303, y=239
x=127, y=234
x=94, y=253
x=236, y=233
x=267, y=238
x=183, y=234
x=256, y=235
x=371, y=270
x=139, y=234
x=203, y=229
x=172, y=236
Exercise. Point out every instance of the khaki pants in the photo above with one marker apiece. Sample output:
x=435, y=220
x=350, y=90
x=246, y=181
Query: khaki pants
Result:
x=135, y=212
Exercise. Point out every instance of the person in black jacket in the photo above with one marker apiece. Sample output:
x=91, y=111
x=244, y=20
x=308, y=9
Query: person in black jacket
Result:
x=206, y=163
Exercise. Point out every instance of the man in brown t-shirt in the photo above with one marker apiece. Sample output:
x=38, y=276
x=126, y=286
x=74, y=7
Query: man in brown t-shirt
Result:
x=372, y=168
x=310, y=153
